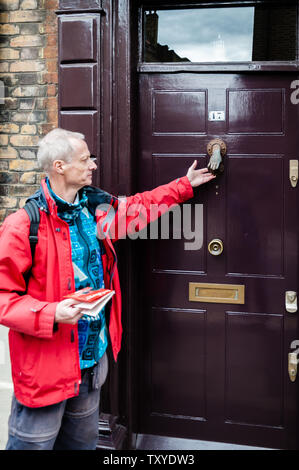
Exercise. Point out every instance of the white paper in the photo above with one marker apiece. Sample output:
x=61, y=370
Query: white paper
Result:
x=93, y=308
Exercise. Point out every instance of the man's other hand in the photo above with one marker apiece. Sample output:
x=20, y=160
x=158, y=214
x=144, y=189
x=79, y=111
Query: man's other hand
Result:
x=198, y=177
x=67, y=312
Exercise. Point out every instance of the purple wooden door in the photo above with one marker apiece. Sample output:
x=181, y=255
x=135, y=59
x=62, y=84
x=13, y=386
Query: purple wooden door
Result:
x=79, y=74
x=219, y=371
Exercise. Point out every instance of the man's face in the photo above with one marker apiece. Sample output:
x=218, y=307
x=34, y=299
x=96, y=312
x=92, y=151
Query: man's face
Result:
x=78, y=172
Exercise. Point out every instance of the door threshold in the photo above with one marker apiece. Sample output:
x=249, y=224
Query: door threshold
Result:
x=153, y=442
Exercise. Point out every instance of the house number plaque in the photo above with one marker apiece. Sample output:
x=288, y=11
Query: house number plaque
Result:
x=216, y=116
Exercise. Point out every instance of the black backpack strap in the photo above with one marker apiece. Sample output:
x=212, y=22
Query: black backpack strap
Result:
x=32, y=210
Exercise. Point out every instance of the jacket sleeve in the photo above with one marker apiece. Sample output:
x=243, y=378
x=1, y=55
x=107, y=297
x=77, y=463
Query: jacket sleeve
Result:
x=18, y=310
x=133, y=213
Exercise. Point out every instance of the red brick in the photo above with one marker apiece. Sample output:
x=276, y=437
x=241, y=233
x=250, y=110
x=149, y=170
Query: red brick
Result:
x=52, y=117
x=51, y=65
x=51, y=4
x=50, y=27
x=43, y=129
x=50, y=52
x=51, y=90
x=51, y=77
x=52, y=40
x=51, y=104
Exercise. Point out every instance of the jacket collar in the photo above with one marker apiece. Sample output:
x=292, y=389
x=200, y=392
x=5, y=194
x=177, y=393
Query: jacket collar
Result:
x=95, y=197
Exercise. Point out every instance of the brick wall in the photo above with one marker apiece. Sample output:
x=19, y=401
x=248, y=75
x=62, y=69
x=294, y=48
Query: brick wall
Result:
x=28, y=68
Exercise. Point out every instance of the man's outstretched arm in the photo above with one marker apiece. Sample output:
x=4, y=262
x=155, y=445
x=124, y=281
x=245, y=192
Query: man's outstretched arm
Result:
x=133, y=213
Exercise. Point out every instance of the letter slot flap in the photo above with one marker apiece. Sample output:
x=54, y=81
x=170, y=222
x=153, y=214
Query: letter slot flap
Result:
x=216, y=293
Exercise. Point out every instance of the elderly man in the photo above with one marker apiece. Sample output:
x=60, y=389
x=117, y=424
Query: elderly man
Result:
x=58, y=355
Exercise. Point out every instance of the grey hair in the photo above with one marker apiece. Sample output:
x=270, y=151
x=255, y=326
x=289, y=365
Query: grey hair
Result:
x=56, y=145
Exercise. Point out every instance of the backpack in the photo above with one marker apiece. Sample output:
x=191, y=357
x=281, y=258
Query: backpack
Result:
x=32, y=210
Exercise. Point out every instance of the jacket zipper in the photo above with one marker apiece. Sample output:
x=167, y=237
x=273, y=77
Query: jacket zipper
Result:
x=115, y=261
x=77, y=383
x=113, y=269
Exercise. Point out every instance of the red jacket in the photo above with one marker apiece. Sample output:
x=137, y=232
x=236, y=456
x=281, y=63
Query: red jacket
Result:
x=44, y=359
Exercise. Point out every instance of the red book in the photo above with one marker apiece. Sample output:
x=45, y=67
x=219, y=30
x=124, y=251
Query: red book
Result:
x=91, y=301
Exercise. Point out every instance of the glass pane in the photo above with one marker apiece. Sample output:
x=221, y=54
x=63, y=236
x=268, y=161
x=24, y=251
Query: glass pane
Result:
x=232, y=34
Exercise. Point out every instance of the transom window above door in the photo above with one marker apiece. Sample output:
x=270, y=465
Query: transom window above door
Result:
x=220, y=34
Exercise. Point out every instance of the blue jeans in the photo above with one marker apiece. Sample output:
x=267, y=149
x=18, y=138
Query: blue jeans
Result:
x=69, y=425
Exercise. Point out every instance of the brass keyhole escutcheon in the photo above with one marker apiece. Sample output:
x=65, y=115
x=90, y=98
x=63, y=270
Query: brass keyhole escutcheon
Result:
x=215, y=247
x=294, y=172
x=292, y=366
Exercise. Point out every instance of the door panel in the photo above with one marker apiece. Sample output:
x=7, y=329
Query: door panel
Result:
x=79, y=74
x=167, y=371
x=209, y=370
x=179, y=112
x=254, y=388
x=255, y=237
x=266, y=106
